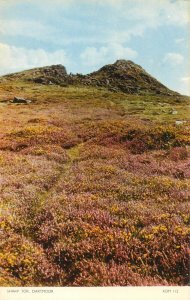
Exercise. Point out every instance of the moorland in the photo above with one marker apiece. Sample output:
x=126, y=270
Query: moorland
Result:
x=94, y=179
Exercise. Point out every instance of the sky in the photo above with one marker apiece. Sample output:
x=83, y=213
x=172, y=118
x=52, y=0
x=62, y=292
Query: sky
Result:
x=84, y=35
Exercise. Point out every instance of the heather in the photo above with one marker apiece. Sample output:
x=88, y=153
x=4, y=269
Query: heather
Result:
x=94, y=187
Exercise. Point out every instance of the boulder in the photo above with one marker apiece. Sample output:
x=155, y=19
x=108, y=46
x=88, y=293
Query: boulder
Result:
x=21, y=100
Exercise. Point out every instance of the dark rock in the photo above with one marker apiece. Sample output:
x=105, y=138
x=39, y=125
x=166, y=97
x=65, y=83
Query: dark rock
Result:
x=38, y=80
x=21, y=100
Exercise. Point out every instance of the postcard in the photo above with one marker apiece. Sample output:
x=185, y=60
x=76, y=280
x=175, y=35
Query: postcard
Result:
x=94, y=149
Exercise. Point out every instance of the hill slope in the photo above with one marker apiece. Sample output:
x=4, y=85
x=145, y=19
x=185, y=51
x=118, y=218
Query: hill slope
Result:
x=44, y=75
x=94, y=184
x=122, y=76
x=127, y=77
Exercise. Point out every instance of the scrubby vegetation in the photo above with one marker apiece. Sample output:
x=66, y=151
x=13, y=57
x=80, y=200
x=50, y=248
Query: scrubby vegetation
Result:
x=95, y=187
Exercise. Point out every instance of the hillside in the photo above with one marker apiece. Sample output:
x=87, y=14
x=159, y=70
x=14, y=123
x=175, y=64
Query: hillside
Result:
x=95, y=179
x=121, y=76
x=128, y=77
x=45, y=75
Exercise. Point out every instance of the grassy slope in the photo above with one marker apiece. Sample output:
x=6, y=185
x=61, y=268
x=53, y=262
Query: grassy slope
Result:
x=94, y=187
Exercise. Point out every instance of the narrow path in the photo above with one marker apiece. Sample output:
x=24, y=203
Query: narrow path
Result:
x=73, y=153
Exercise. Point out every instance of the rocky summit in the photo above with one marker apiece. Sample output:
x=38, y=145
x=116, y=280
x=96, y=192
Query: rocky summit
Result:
x=128, y=77
x=54, y=74
x=122, y=76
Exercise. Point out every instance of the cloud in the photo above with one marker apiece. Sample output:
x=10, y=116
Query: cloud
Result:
x=158, y=13
x=186, y=79
x=27, y=28
x=180, y=40
x=15, y=59
x=94, y=57
x=174, y=59
x=135, y=17
x=185, y=85
x=177, y=12
x=69, y=2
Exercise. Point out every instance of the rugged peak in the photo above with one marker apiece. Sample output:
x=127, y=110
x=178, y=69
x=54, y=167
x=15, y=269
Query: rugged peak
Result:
x=58, y=66
x=50, y=74
x=128, y=77
x=122, y=65
x=123, y=62
x=52, y=70
x=45, y=75
x=54, y=67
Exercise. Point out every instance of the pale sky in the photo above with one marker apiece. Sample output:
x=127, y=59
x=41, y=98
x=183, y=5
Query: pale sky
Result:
x=84, y=35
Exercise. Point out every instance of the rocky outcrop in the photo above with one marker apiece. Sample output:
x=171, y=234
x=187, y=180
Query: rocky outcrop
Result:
x=19, y=100
x=122, y=76
x=128, y=77
x=55, y=74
